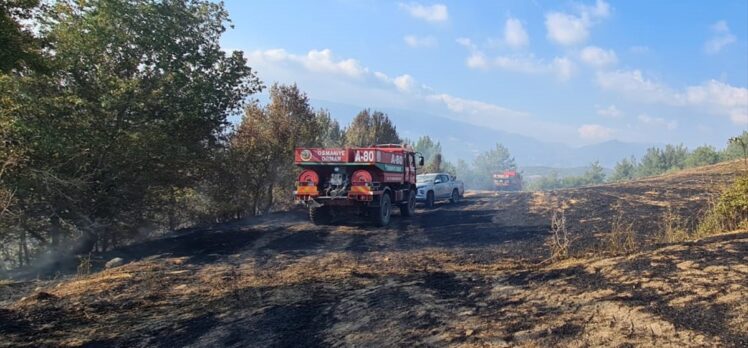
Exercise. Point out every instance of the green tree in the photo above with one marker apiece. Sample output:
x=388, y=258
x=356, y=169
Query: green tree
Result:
x=432, y=154
x=435, y=165
x=735, y=149
x=624, y=170
x=652, y=163
x=657, y=161
x=136, y=104
x=427, y=147
x=702, y=156
x=330, y=134
x=594, y=175
x=674, y=156
x=289, y=122
x=370, y=128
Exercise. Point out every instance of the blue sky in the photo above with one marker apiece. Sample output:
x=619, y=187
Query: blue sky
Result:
x=576, y=72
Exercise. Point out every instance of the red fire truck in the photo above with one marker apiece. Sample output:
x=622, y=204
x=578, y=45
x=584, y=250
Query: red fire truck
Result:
x=509, y=180
x=366, y=180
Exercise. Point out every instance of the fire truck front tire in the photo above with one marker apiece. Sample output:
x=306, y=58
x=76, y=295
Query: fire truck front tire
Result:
x=320, y=215
x=408, y=209
x=381, y=215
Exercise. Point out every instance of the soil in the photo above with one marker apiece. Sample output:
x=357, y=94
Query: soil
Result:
x=471, y=274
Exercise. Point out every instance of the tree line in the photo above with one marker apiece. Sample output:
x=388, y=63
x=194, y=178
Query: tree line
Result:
x=655, y=161
x=671, y=158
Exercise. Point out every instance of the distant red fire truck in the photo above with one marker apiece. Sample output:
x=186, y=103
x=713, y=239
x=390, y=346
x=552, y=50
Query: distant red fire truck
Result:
x=509, y=180
x=365, y=180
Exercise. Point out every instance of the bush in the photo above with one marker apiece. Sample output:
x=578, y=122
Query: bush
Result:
x=730, y=212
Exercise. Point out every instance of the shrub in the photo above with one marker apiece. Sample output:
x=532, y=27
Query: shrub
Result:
x=730, y=212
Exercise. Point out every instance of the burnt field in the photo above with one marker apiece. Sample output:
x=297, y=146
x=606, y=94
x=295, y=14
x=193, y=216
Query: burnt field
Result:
x=468, y=274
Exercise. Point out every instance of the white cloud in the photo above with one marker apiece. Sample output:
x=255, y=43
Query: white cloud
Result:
x=598, y=57
x=721, y=98
x=566, y=29
x=573, y=29
x=721, y=37
x=463, y=41
x=314, y=60
x=468, y=106
x=515, y=34
x=714, y=96
x=563, y=68
x=610, y=111
x=433, y=13
x=404, y=83
x=600, y=10
x=420, y=41
x=658, y=122
x=634, y=84
x=525, y=64
x=594, y=132
x=477, y=60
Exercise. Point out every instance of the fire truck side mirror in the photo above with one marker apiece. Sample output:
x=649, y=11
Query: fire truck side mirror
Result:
x=420, y=161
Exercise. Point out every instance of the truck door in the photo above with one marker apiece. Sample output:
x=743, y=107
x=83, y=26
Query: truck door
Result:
x=442, y=188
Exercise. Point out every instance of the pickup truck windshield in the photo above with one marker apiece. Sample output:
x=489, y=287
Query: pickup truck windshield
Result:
x=425, y=178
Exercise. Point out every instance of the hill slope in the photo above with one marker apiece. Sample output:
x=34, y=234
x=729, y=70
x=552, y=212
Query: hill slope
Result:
x=463, y=275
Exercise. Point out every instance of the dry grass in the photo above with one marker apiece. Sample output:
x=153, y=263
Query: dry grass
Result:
x=622, y=238
x=673, y=229
x=560, y=239
x=84, y=265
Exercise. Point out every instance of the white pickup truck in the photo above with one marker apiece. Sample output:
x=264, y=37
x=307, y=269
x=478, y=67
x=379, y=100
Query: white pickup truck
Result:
x=438, y=186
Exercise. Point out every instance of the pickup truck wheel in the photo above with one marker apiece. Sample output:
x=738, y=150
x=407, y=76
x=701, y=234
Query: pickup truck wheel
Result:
x=430, y=199
x=455, y=196
x=409, y=208
x=381, y=214
x=320, y=215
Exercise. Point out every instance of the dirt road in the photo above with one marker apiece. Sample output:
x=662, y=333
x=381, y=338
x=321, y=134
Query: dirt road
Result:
x=457, y=275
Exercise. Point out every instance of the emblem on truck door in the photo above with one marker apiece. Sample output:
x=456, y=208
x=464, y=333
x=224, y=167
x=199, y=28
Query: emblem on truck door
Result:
x=305, y=155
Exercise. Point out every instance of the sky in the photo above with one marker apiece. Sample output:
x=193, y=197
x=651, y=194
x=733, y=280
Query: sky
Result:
x=574, y=72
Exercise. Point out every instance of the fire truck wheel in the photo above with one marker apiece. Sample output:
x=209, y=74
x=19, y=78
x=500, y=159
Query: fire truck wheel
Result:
x=320, y=215
x=455, y=196
x=381, y=214
x=430, y=199
x=409, y=209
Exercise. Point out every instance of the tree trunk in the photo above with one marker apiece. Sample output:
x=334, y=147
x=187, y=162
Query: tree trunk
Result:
x=23, y=248
x=55, y=232
x=172, y=210
x=269, y=202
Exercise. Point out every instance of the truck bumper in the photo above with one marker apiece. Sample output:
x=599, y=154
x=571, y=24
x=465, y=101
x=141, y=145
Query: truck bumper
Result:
x=351, y=200
x=421, y=195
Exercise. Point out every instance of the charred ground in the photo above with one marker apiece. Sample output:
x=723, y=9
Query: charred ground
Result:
x=467, y=274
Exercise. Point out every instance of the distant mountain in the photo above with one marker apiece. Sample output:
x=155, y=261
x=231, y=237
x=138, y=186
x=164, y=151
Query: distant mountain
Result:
x=610, y=152
x=462, y=140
